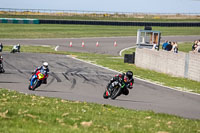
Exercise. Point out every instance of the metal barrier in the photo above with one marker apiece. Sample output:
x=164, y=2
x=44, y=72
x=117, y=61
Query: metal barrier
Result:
x=163, y=24
x=19, y=21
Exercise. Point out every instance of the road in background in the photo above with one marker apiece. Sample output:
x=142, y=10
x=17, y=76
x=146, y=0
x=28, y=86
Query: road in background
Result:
x=106, y=45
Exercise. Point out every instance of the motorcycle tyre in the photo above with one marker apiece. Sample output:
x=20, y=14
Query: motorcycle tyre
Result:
x=34, y=85
x=2, y=71
x=115, y=93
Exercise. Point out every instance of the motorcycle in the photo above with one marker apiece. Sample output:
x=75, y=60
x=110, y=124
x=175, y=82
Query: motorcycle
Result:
x=36, y=80
x=114, y=90
x=15, y=49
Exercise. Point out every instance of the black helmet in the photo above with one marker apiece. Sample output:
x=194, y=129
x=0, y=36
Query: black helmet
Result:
x=129, y=74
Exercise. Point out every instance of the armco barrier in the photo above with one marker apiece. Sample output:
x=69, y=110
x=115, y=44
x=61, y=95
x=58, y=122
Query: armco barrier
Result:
x=177, y=64
x=19, y=21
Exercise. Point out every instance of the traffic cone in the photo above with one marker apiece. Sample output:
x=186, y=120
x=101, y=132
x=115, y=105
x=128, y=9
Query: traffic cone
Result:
x=115, y=43
x=83, y=44
x=70, y=44
x=97, y=44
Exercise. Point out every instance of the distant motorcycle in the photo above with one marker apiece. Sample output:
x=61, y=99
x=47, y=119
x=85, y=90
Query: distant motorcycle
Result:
x=16, y=48
x=114, y=91
x=36, y=80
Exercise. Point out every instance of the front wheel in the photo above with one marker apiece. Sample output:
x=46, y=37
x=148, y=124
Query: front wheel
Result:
x=116, y=92
x=36, y=83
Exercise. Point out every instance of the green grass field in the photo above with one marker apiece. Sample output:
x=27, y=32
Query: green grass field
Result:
x=32, y=114
x=77, y=31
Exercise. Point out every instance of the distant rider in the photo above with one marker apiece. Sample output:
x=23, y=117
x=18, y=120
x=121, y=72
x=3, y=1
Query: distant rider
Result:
x=16, y=48
x=1, y=64
x=1, y=59
x=124, y=78
x=1, y=47
x=44, y=70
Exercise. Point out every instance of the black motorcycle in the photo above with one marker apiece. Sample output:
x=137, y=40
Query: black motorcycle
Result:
x=114, y=90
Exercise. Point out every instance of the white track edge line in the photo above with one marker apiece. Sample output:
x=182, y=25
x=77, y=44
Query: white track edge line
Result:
x=120, y=53
x=56, y=48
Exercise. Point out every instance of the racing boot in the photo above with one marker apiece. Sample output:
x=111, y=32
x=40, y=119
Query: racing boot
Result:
x=106, y=94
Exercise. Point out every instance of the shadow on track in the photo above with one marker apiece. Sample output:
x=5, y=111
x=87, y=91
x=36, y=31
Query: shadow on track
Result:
x=131, y=101
x=51, y=91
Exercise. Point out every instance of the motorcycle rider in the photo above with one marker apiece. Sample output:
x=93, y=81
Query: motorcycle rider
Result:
x=16, y=48
x=124, y=78
x=1, y=64
x=44, y=70
x=1, y=47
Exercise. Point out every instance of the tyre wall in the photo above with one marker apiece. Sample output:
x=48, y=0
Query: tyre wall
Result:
x=88, y=22
x=162, y=24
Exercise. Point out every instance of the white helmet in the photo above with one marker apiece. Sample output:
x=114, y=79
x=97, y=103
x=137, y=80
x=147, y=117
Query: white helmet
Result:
x=45, y=65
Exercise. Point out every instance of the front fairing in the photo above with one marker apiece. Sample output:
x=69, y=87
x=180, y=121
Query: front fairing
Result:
x=41, y=75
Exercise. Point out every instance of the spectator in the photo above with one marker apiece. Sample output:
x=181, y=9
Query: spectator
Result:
x=1, y=47
x=155, y=46
x=174, y=47
x=164, y=45
x=194, y=46
x=169, y=47
x=198, y=47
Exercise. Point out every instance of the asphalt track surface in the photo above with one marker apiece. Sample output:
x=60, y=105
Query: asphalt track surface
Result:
x=73, y=79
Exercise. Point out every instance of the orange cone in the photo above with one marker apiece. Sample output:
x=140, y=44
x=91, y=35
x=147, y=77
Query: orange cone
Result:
x=115, y=43
x=97, y=44
x=83, y=44
x=70, y=44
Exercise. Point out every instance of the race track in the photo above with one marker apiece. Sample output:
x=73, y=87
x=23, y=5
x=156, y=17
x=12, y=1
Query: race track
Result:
x=76, y=80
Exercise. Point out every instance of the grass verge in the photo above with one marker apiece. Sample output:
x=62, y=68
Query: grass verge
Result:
x=77, y=31
x=119, y=65
x=30, y=113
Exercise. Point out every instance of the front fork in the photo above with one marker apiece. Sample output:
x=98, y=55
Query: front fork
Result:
x=32, y=79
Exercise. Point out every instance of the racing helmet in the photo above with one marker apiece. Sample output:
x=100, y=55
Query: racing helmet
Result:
x=45, y=65
x=129, y=75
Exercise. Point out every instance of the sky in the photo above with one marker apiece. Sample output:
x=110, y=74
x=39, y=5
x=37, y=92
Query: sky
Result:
x=141, y=6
